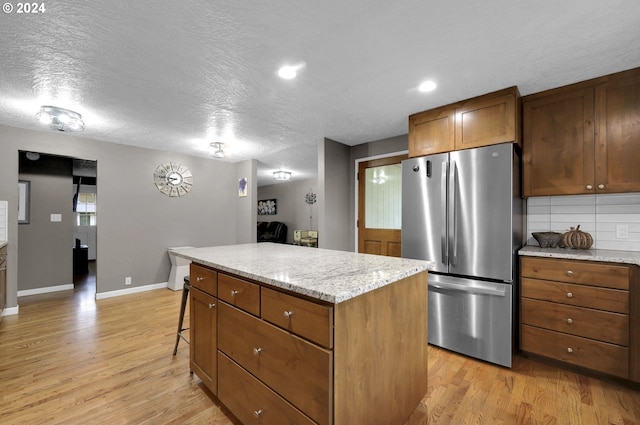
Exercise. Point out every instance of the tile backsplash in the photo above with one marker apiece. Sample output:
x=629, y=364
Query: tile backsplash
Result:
x=597, y=214
x=4, y=232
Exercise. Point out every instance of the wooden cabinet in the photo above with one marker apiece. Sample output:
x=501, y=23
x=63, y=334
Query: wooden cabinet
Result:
x=582, y=139
x=3, y=279
x=481, y=121
x=285, y=358
x=203, y=325
x=581, y=313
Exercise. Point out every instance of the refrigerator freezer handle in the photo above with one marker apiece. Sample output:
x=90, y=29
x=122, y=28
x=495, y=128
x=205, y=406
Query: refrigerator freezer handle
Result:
x=453, y=175
x=443, y=205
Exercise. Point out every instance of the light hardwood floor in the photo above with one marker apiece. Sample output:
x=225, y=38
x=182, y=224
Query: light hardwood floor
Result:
x=67, y=359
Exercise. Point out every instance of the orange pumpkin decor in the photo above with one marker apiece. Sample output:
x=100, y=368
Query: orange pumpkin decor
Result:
x=575, y=238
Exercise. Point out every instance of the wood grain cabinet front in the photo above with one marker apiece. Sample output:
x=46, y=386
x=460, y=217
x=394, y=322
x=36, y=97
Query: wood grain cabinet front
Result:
x=3, y=279
x=240, y=293
x=576, y=139
x=203, y=324
x=484, y=120
x=581, y=313
x=294, y=368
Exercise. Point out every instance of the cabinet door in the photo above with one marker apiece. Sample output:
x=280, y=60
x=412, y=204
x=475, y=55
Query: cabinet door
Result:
x=203, y=333
x=431, y=132
x=618, y=136
x=3, y=280
x=487, y=120
x=558, y=143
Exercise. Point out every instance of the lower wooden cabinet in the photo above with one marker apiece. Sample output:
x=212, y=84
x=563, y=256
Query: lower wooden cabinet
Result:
x=3, y=279
x=582, y=313
x=273, y=357
x=203, y=326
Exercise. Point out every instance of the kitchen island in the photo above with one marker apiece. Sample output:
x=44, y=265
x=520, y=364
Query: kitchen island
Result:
x=285, y=334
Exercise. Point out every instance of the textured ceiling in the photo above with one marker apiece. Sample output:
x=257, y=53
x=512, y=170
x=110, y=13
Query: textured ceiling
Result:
x=178, y=75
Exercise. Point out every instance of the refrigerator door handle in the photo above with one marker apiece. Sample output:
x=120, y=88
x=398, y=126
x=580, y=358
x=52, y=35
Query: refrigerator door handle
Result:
x=443, y=205
x=453, y=245
x=469, y=289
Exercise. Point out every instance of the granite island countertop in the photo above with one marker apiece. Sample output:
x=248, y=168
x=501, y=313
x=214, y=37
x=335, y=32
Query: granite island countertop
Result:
x=324, y=274
x=602, y=255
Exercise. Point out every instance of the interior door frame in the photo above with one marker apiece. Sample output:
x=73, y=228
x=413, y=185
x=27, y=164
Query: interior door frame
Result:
x=355, y=180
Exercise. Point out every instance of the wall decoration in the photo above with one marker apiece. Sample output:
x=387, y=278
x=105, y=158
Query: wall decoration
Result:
x=310, y=198
x=24, y=201
x=242, y=187
x=267, y=207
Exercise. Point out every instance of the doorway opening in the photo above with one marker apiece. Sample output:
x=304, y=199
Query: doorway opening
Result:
x=57, y=243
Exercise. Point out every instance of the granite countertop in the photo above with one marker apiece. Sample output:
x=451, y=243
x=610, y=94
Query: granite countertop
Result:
x=2, y=243
x=324, y=274
x=609, y=256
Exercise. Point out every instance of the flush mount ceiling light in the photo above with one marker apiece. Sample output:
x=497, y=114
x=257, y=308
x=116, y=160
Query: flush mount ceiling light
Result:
x=289, y=72
x=427, y=86
x=60, y=119
x=282, y=175
x=216, y=147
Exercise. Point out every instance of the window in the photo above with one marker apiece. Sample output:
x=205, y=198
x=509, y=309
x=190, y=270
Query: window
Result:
x=86, y=209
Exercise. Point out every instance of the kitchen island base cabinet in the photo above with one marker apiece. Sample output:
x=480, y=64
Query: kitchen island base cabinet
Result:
x=359, y=361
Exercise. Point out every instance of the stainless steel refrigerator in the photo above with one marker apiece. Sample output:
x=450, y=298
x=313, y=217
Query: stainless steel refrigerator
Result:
x=463, y=210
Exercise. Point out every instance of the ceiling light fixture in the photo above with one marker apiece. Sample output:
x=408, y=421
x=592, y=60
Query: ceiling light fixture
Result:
x=282, y=175
x=60, y=119
x=427, y=86
x=216, y=147
x=288, y=72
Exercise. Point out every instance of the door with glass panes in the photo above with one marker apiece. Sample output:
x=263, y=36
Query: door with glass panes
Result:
x=380, y=206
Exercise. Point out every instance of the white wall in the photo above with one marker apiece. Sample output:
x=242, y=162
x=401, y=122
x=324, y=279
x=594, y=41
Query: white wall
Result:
x=596, y=214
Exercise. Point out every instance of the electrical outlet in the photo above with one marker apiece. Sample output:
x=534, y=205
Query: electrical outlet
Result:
x=622, y=231
x=127, y=280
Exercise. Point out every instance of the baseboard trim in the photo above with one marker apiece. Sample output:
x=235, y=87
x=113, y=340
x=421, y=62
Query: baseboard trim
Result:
x=45, y=290
x=10, y=311
x=128, y=291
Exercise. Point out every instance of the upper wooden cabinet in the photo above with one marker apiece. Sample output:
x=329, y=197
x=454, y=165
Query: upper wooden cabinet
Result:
x=485, y=120
x=583, y=138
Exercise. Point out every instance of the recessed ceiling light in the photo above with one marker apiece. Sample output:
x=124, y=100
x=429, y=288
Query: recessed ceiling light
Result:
x=288, y=72
x=427, y=86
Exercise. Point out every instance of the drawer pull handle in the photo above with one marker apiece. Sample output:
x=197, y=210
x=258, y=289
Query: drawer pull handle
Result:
x=569, y=273
x=211, y=305
x=600, y=186
x=569, y=350
x=257, y=351
x=569, y=321
x=257, y=413
x=569, y=295
x=288, y=314
x=589, y=187
x=234, y=293
x=199, y=279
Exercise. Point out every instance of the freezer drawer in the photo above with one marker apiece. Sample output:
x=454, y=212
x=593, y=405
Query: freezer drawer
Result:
x=472, y=317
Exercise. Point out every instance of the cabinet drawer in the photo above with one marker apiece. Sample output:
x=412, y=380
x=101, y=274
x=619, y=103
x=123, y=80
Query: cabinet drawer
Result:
x=600, y=356
x=296, y=369
x=607, y=299
x=305, y=318
x=585, y=322
x=204, y=279
x=580, y=272
x=240, y=293
x=251, y=401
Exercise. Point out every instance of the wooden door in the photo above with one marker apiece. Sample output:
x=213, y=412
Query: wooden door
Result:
x=618, y=135
x=558, y=143
x=380, y=206
x=431, y=132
